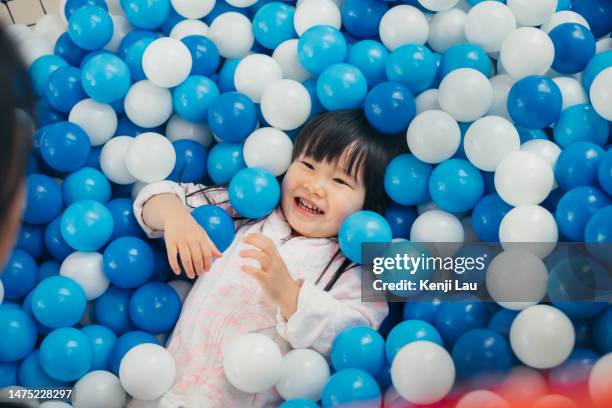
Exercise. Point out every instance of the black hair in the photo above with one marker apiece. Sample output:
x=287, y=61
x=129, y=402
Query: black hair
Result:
x=327, y=137
x=15, y=137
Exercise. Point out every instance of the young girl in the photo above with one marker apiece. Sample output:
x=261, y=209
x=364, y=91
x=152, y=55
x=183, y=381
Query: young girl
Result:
x=284, y=275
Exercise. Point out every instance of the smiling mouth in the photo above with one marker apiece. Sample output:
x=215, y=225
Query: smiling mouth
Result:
x=308, y=206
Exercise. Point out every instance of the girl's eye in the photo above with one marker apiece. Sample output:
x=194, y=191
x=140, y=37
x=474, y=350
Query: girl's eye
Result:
x=340, y=181
x=310, y=166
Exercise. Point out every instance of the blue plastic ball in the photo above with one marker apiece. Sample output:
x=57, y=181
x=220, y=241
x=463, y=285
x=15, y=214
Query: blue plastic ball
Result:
x=298, y=403
x=400, y=219
x=577, y=165
x=502, y=321
x=112, y=310
x=204, y=55
x=456, y=185
x=128, y=262
x=8, y=375
x=575, y=209
x=456, y=318
x=217, y=223
x=225, y=82
x=43, y=199
x=155, y=307
x=90, y=27
x=87, y=225
x=599, y=226
x=315, y=107
x=221, y=6
x=465, y=55
x=31, y=240
x=17, y=334
x=132, y=38
x=48, y=269
x=65, y=354
x=41, y=69
x=580, y=123
x=320, y=47
x=65, y=146
x=194, y=96
x=232, y=116
x=254, y=192
x=597, y=14
x=407, y=180
x=573, y=374
x=32, y=375
x=64, y=88
x=46, y=114
x=86, y=184
x=73, y=5
x=146, y=14
x=535, y=102
x=604, y=172
x=597, y=64
x=102, y=340
x=361, y=18
x=351, y=387
x=66, y=48
x=602, y=331
x=530, y=134
x=359, y=347
x=482, y=357
x=55, y=243
x=390, y=107
x=273, y=24
x=487, y=217
x=127, y=342
x=224, y=161
x=407, y=332
x=412, y=65
x=133, y=58
x=58, y=301
x=574, y=47
x=106, y=78
x=369, y=57
x=341, y=86
x=362, y=227
x=19, y=276
x=190, y=166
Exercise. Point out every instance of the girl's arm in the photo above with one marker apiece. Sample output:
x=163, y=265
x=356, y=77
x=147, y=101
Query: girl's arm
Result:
x=320, y=316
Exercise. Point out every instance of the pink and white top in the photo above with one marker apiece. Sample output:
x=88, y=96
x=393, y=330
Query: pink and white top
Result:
x=226, y=303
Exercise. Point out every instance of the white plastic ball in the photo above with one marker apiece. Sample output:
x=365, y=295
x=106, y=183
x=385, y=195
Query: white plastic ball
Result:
x=193, y=8
x=433, y=136
x=85, y=268
x=428, y=206
x=488, y=24
x=255, y=73
x=112, y=160
x=97, y=119
x=268, y=148
x=438, y=5
x=166, y=62
x=542, y=336
x=600, y=381
x=33, y=48
x=447, y=28
x=20, y=32
x=286, y=56
x=55, y=404
x=427, y=100
x=252, y=363
x=422, y=372
x=139, y=185
x=501, y=89
x=316, y=12
x=601, y=94
x=482, y=399
x=572, y=91
x=150, y=158
x=562, y=17
x=148, y=105
x=181, y=287
x=402, y=25
x=147, y=371
x=604, y=44
x=114, y=7
x=232, y=33
x=121, y=28
x=441, y=228
x=50, y=27
x=529, y=227
x=98, y=389
x=241, y=3
x=516, y=279
x=304, y=375
x=285, y=104
x=189, y=27
x=466, y=94
x=523, y=178
x=547, y=150
x=489, y=140
x=178, y=128
x=532, y=12
x=527, y=51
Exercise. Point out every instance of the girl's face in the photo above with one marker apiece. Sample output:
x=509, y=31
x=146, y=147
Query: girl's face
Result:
x=318, y=196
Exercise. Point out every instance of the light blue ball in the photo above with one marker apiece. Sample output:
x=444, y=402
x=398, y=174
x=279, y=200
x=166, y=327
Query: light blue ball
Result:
x=17, y=334
x=193, y=97
x=456, y=185
x=224, y=161
x=412, y=65
x=359, y=347
x=254, y=192
x=86, y=184
x=369, y=57
x=90, y=27
x=133, y=59
x=273, y=24
x=102, y=340
x=320, y=47
x=597, y=64
x=225, y=81
x=351, y=387
x=87, y=225
x=146, y=14
x=407, y=180
x=41, y=69
x=298, y=403
x=106, y=78
x=465, y=55
x=604, y=172
x=362, y=227
x=58, y=301
x=8, y=375
x=407, y=332
x=581, y=123
x=32, y=375
x=65, y=354
x=341, y=86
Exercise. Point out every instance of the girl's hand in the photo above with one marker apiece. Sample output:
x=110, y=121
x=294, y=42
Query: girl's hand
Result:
x=272, y=274
x=186, y=238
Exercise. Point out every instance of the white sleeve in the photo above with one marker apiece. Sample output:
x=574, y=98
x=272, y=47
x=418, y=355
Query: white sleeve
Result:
x=321, y=315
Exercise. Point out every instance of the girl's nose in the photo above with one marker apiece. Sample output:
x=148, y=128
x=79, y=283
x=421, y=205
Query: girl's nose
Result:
x=315, y=188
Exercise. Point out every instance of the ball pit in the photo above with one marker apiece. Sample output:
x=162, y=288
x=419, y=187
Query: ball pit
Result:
x=505, y=107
